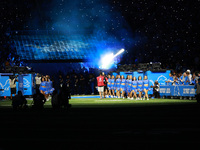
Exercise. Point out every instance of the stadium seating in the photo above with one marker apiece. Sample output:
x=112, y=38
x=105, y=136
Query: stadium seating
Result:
x=56, y=47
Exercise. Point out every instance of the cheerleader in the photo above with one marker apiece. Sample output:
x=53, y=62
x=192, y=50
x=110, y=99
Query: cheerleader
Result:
x=140, y=87
x=42, y=87
x=109, y=86
x=127, y=79
x=113, y=86
x=134, y=88
x=146, y=87
x=49, y=87
x=170, y=80
x=129, y=86
x=118, y=83
x=123, y=86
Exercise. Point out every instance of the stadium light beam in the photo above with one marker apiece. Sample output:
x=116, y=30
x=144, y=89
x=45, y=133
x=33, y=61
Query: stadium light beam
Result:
x=107, y=60
x=118, y=53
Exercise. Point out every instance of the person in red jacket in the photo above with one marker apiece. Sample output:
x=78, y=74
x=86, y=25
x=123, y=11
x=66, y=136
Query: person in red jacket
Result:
x=100, y=84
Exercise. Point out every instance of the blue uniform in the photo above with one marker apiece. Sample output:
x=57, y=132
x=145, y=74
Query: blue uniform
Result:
x=126, y=83
x=177, y=82
x=43, y=86
x=118, y=83
x=193, y=81
x=146, y=84
x=51, y=89
x=112, y=82
x=123, y=84
x=134, y=85
x=140, y=85
x=180, y=82
x=129, y=88
x=47, y=84
x=171, y=79
x=186, y=79
x=109, y=84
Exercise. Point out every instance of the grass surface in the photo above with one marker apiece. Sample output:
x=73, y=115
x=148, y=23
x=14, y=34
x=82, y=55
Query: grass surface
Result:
x=109, y=123
x=111, y=102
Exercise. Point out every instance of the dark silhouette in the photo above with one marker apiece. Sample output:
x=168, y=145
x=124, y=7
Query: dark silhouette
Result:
x=156, y=87
x=197, y=87
x=38, y=101
x=64, y=97
x=82, y=84
x=19, y=101
x=55, y=102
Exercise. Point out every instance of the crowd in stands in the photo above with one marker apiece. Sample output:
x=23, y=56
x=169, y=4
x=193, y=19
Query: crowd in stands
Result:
x=185, y=78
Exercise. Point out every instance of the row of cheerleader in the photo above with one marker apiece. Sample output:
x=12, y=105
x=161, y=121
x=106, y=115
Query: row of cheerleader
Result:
x=131, y=87
x=46, y=87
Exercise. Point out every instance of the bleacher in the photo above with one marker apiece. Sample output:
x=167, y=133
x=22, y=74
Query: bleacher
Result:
x=47, y=46
x=53, y=47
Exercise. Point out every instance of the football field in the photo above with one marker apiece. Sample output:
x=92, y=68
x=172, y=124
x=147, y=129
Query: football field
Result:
x=110, y=102
x=111, y=123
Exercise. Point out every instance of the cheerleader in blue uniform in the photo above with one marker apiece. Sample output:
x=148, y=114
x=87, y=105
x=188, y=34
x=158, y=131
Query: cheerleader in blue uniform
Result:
x=113, y=86
x=118, y=83
x=146, y=87
x=170, y=80
x=49, y=86
x=129, y=86
x=43, y=88
x=127, y=79
x=140, y=87
x=134, y=88
x=123, y=86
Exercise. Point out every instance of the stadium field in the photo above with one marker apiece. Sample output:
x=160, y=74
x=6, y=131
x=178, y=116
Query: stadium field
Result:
x=111, y=102
x=108, y=123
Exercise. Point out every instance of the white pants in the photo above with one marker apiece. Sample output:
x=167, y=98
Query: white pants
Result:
x=100, y=88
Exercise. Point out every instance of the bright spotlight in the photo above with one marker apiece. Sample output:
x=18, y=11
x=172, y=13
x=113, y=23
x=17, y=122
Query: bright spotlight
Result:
x=107, y=60
x=121, y=51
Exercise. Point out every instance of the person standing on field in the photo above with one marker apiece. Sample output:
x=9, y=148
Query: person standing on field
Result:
x=100, y=84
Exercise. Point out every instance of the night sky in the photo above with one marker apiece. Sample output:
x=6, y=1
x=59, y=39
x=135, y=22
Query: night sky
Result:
x=166, y=31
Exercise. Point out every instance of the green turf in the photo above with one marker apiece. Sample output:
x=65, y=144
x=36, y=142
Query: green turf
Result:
x=111, y=102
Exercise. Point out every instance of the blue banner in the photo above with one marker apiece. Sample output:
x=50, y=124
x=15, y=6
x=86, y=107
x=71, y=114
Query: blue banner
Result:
x=177, y=90
x=27, y=83
x=20, y=83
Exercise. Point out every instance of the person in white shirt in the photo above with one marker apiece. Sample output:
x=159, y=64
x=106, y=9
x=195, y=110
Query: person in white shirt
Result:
x=38, y=81
x=188, y=72
x=13, y=81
